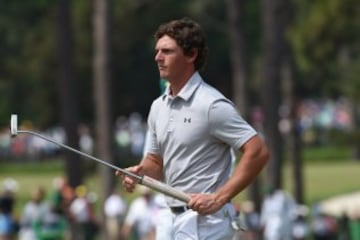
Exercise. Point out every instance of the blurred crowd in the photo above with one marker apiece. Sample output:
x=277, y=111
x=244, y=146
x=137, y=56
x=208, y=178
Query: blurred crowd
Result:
x=129, y=138
x=316, y=117
x=70, y=214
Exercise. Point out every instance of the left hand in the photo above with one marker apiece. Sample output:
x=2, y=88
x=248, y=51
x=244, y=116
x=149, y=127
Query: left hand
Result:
x=204, y=203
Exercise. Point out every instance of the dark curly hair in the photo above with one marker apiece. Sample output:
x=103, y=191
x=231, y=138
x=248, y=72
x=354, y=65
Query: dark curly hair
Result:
x=188, y=35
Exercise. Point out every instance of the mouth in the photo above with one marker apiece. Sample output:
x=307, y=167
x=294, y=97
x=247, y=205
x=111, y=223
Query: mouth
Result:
x=161, y=67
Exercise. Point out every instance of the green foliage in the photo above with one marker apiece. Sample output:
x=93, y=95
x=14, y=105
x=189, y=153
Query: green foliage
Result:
x=28, y=57
x=28, y=64
x=321, y=31
x=27, y=52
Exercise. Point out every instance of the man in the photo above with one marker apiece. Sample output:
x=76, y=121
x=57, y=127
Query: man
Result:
x=192, y=129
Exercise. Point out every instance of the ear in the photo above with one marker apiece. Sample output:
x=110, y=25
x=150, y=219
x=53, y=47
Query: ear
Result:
x=192, y=56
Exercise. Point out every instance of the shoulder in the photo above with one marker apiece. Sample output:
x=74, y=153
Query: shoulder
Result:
x=214, y=98
x=207, y=97
x=155, y=108
x=210, y=93
x=156, y=104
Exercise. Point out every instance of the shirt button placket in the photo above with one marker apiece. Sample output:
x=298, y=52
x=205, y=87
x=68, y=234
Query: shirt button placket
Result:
x=171, y=117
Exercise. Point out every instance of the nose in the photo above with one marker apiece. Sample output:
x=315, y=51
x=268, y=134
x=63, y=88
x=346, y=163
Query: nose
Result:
x=158, y=56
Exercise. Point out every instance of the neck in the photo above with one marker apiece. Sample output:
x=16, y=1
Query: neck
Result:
x=177, y=84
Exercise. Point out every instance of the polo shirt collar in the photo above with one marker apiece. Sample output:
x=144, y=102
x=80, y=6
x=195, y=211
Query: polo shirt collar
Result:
x=187, y=91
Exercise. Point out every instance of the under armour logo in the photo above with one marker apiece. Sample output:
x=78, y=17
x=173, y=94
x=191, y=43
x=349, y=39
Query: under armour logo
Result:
x=187, y=120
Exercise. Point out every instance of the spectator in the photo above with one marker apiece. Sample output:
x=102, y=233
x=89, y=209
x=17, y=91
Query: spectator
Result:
x=324, y=227
x=86, y=142
x=277, y=214
x=139, y=219
x=300, y=230
x=252, y=220
x=31, y=212
x=137, y=134
x=83, y=215
x=115, y=210
x=62, y=196
x=354, y=227
x=8, y=224
x=50, y=225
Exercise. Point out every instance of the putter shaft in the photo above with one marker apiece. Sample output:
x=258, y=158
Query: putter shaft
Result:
x=137, y=177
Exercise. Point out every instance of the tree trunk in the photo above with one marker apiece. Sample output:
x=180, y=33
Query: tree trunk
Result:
x=271, y=93
x=239, y=63
x=102, y=95
x=293, y=135
x=238, y=55
x=356, y=120
x=67, y=89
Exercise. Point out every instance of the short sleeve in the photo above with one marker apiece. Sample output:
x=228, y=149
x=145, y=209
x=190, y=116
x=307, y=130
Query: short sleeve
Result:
x=151, y=143
x=227, y=125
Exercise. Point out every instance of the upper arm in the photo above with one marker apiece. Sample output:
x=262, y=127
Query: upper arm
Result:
x=152, y=145
x=256, y=148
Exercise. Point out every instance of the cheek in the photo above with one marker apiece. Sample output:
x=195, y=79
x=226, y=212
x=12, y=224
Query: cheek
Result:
x=170, y=63
x=176, y=63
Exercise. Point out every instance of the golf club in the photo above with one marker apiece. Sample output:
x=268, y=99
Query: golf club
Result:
x=143, y=180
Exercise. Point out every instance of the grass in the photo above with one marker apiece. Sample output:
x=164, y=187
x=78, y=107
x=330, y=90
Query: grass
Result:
x=323, y=180
x=327, y=153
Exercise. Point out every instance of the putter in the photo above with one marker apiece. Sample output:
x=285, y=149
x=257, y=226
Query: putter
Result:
x=143, y=180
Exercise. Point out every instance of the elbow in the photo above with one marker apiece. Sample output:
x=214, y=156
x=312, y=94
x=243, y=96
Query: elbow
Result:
x=264, y=155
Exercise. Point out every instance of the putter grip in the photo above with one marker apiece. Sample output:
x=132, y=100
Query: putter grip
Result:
x=165, y=189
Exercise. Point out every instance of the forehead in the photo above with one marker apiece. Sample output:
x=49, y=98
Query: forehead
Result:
x=166, y=42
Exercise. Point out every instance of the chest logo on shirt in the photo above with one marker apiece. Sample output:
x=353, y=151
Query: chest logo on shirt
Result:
x=187, y=120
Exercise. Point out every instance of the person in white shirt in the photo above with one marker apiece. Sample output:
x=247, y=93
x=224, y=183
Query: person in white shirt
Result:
x=31, y=212
x=115, y=210
x=277, y=215
x=139, y=219
x=83, y=215
x=193, y=128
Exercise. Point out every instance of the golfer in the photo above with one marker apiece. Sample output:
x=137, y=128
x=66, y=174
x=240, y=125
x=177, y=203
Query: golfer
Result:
x=192, y=129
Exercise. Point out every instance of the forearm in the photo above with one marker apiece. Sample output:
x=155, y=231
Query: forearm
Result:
x=152, y=166
x=252, y=161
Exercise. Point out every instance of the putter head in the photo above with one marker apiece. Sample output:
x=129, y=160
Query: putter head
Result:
x=14, y=125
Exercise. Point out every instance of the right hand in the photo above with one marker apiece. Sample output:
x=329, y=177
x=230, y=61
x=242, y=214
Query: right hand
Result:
x=128, y=182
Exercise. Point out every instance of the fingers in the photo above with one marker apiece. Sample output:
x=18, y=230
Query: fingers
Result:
x=128, y=182
x=204, y=203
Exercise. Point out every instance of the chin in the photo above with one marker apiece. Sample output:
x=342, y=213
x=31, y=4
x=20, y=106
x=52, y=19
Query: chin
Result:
x=164, y=76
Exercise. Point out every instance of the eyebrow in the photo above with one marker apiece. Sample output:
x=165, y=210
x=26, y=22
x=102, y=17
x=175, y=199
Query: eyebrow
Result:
x=164, y=49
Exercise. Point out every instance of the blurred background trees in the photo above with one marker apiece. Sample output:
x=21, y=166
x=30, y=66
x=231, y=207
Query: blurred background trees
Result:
x=263, y=54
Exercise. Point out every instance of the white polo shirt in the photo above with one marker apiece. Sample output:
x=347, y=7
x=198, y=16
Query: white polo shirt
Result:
x=194, y=133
